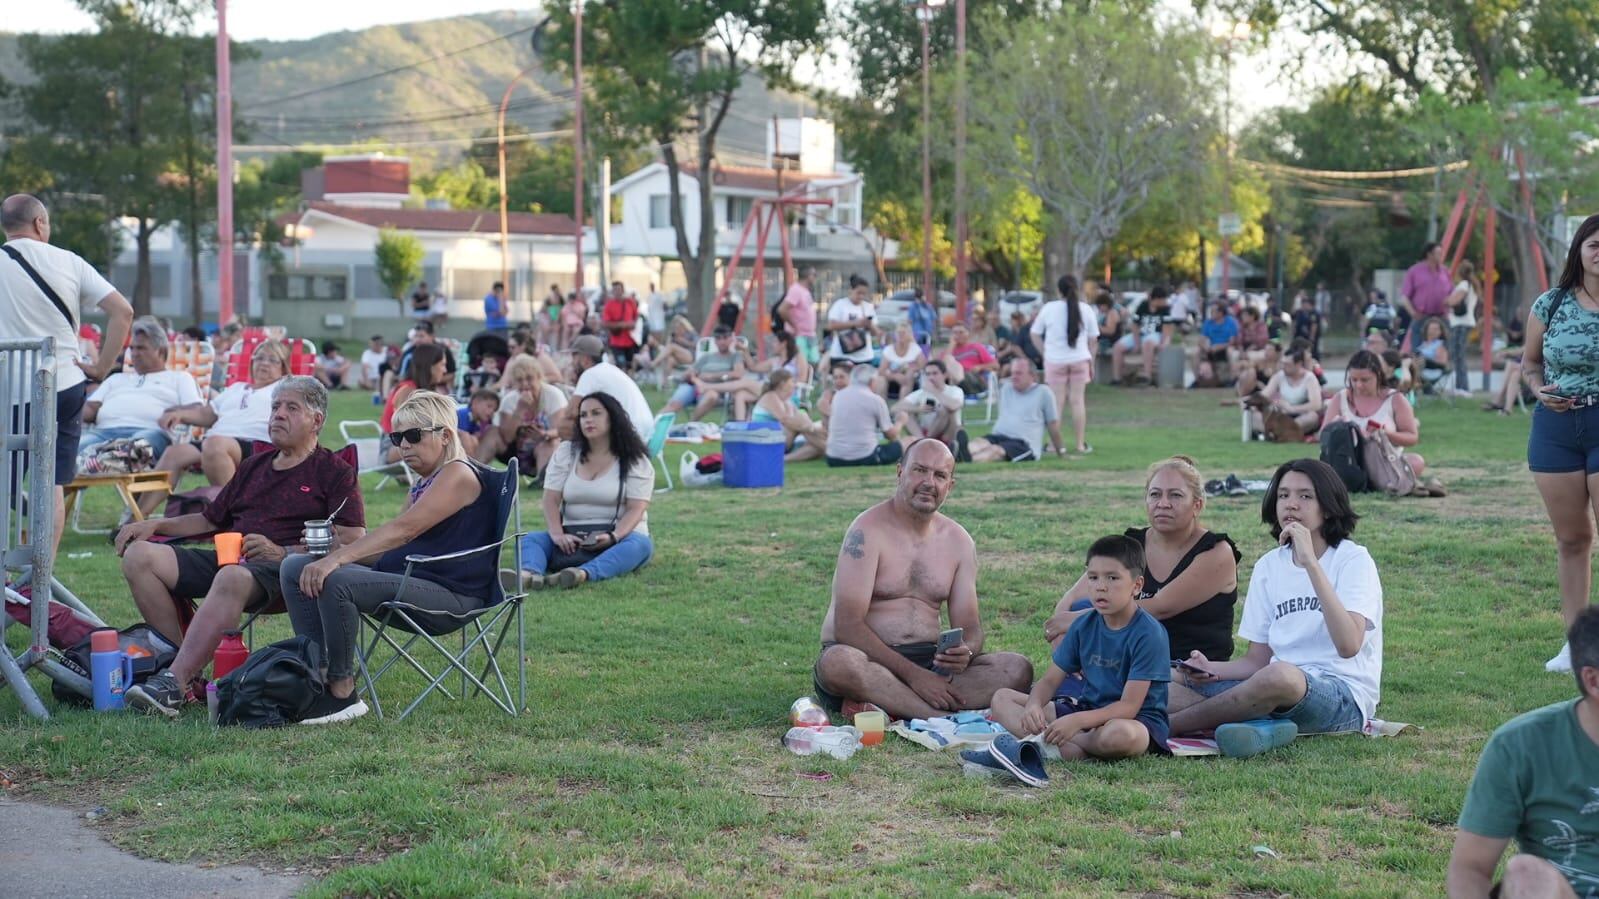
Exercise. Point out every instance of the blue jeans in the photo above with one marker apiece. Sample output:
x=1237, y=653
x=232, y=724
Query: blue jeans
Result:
x=93, y=437
x=628, y=555
x=1328, y=707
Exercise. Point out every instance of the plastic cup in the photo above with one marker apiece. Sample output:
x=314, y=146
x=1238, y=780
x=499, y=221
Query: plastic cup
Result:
x=871, y=726
x=229, y=545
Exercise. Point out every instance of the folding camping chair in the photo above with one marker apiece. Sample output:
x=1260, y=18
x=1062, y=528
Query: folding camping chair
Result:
x=657, y=445
x=487, y=627
x=367, y=438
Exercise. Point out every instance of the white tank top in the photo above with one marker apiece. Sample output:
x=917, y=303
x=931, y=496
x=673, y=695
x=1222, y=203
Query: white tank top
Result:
x=1296, y=394
x=1383, y=416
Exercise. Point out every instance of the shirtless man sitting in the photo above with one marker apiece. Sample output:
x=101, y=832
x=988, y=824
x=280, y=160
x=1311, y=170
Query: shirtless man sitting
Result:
x=901, y=563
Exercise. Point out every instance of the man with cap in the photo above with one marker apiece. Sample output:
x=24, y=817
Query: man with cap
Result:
x=716, y=375
x=595, y=375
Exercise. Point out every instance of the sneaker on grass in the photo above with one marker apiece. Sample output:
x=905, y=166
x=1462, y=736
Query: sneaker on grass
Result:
x=161, y=694
x=1561, y=663
x=330, y=709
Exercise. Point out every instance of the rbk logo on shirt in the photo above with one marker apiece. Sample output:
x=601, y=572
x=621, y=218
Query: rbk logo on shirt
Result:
x=1098, y=661
x=1297, y=604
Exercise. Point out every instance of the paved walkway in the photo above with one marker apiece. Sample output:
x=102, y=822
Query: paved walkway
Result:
x=50, y=853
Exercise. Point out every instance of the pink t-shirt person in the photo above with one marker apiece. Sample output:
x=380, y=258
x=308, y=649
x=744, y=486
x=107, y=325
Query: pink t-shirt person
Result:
x=803, y=317
x=972, y=354
x=1427, y=288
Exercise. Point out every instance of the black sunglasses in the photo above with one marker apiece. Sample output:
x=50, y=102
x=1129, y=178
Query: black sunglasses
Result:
x=412, y=436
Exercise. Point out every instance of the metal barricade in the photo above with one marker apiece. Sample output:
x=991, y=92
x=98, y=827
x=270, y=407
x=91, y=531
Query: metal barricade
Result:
x=27, y=508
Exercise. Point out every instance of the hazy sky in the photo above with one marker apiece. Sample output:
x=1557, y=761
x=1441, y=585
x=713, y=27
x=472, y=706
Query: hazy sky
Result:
x=1256, y=85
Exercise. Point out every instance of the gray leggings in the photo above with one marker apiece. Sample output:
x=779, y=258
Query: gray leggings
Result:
x=332, y=619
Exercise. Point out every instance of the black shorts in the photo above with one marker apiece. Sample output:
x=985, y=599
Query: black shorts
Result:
x=1216, y=354
x=69, y=428
x=1016, y=449
x=623, y=355
x=197, y=568
x=920, y=654
x=246, y=447
x=885, y=454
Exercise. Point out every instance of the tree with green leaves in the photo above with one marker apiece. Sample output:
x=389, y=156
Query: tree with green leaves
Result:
x=661, y=72
x=1092, y=112
x=263, y=191
x=113, y=114
x=399, y=261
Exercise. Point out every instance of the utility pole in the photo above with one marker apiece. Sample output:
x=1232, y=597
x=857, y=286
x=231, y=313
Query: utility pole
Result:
x=924, y=15
x=224, y=103
x=1228, y=33
x=577, y=137
x=505, y=214
x=961, y=262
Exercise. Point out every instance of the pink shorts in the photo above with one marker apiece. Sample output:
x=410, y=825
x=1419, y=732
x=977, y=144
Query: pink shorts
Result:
x=1064, y=374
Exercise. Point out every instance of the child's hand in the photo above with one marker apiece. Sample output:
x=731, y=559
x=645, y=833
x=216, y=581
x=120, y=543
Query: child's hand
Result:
x=1061, y=732
x=1034, y=719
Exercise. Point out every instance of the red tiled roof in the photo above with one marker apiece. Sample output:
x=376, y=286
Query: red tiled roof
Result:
x=486, y=221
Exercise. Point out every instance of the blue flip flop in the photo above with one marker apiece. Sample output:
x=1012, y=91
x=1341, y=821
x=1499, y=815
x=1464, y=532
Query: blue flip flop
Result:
x=1022, y=760
x=1251, y=738
x=978, y=762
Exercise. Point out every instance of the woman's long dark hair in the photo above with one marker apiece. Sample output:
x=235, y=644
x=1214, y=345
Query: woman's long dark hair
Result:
x=626, y=444
x=1067, y=285
x=423, y=358
x=1337, y=515
x=1572, y=276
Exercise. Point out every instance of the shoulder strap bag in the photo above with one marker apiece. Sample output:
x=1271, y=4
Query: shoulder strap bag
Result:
x=582, y=555
x=40, y=282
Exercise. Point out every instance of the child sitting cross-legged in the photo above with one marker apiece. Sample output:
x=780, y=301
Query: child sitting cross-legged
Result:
x=1123, y=655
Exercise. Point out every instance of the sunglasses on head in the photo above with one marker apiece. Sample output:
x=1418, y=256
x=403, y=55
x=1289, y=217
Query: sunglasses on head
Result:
x=412, y=436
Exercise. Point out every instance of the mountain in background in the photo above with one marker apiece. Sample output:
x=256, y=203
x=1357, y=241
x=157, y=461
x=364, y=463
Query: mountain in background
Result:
x=331, y=89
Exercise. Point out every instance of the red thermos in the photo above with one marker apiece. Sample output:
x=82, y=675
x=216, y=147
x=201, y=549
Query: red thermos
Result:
x=230, y=655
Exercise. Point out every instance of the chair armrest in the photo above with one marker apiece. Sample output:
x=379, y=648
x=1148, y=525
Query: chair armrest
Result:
x=418, y=559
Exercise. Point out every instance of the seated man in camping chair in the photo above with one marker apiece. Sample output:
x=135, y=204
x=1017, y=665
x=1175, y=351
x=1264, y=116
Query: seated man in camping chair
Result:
x=268, y=501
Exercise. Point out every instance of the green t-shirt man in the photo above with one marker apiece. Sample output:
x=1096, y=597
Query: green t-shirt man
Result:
x=1538, y=781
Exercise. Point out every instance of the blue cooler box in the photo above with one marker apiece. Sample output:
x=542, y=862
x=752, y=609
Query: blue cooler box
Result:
x=752, y=454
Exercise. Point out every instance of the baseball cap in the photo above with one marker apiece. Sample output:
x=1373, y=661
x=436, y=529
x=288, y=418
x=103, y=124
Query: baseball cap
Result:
x=589, y=345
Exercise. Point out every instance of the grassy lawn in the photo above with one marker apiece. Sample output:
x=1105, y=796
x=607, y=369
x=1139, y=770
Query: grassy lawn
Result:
x=648, y=759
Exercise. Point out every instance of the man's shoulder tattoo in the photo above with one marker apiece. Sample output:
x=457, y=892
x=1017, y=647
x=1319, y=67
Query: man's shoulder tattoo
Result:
x=855, y=543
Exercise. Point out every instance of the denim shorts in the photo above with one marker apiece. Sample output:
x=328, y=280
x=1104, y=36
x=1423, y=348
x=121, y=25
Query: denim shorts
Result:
x=1563, y=442
x=1328, y=706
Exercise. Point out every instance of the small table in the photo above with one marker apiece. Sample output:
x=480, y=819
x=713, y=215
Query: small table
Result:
x=129, y=487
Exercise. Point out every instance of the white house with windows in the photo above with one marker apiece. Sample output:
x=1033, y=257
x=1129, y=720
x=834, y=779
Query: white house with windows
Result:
x=801, y=157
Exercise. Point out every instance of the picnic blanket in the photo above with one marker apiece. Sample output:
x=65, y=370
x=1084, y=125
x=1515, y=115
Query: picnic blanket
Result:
x=1199, y=747
x=959, y=729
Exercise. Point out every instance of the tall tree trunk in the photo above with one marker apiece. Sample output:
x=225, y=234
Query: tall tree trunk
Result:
x=698, y=299
x=141, y=285
x=704, y=275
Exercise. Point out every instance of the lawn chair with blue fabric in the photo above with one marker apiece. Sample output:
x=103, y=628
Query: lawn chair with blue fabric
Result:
x=487, y=628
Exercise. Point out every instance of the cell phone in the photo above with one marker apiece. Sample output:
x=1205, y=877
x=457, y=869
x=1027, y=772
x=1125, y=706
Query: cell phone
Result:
x=589, y=539
x=1190, y=666
x=1550, y=390
x=951, y=638
x=931, y=403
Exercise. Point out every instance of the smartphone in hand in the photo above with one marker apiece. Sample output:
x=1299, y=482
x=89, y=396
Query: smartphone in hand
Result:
x=947, y=641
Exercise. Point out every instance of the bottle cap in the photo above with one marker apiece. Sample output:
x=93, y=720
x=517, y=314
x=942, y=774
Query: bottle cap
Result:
x=104, y=640
x=210, y=687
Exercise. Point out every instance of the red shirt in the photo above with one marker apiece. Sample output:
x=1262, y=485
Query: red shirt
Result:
x=623, y=310
x=277, y=504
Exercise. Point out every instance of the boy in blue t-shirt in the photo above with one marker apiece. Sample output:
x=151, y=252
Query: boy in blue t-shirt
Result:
x=1123, y=656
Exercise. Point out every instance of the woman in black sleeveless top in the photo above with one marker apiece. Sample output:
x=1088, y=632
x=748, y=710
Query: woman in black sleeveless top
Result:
x=1191, y=574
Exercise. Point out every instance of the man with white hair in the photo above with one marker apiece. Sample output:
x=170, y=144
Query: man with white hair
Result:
x=268, y=501
x=42, y=292
x=860, y=418
x=130, y=403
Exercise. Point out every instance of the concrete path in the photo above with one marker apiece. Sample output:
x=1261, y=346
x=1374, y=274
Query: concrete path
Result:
x=50, y=853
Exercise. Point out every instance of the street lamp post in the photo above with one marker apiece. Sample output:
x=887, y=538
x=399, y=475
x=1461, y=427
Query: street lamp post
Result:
x=577, y=137
x=960, y=164
x=505, y=213
x=1228, y=33
x=224, y=102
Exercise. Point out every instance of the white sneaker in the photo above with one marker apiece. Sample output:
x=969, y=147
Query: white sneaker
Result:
x=1561, y=663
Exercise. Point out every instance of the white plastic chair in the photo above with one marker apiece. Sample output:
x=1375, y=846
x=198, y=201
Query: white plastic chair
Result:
x=370, y=453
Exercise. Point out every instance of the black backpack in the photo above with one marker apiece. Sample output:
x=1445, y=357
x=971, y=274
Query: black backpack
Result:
x=151, y=653
x=1340, y=448
x=274, y=686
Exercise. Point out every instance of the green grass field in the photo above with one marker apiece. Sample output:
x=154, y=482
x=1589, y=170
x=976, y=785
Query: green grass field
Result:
x=648, y=759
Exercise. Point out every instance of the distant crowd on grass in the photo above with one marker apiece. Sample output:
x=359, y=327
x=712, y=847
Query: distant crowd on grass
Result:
x=1141, y=645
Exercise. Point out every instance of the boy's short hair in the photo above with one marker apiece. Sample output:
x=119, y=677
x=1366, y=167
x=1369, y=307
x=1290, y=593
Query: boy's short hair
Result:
x=485, y=393
x=1121, y=548
x=1584, y=639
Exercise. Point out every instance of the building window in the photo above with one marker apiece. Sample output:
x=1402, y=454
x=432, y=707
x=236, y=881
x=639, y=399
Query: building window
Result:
x=738, y=210
x=660, y=211
x=302, y=286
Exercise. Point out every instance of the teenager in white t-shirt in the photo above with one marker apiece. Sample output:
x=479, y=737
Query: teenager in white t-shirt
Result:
x=130, y=403
x=934, y=409
x=1313, y=619
x=372, y=359
x=853, y=315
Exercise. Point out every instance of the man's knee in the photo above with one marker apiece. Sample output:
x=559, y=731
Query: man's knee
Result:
x=145, y=558
x=840, y=665
x=1016, y=670
x=233, y=586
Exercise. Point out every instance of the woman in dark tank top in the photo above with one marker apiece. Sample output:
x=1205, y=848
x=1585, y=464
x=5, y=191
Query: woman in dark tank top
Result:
x=1191, y=574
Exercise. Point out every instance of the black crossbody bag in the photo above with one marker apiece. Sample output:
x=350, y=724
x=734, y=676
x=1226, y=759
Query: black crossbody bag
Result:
x=40, y=282
x=560, y=561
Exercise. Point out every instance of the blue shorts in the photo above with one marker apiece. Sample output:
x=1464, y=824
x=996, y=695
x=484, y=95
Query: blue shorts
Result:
x=685, y=395
x=1328, y=706
x=1070, y=700
x=69, y=428
x=1563, y=442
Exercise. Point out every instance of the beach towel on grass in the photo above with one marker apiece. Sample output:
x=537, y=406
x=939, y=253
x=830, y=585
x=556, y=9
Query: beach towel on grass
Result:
x=1199, y=747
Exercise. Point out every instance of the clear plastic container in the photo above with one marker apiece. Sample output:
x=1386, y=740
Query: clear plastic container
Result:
x=837, y=742
x=805, y=712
